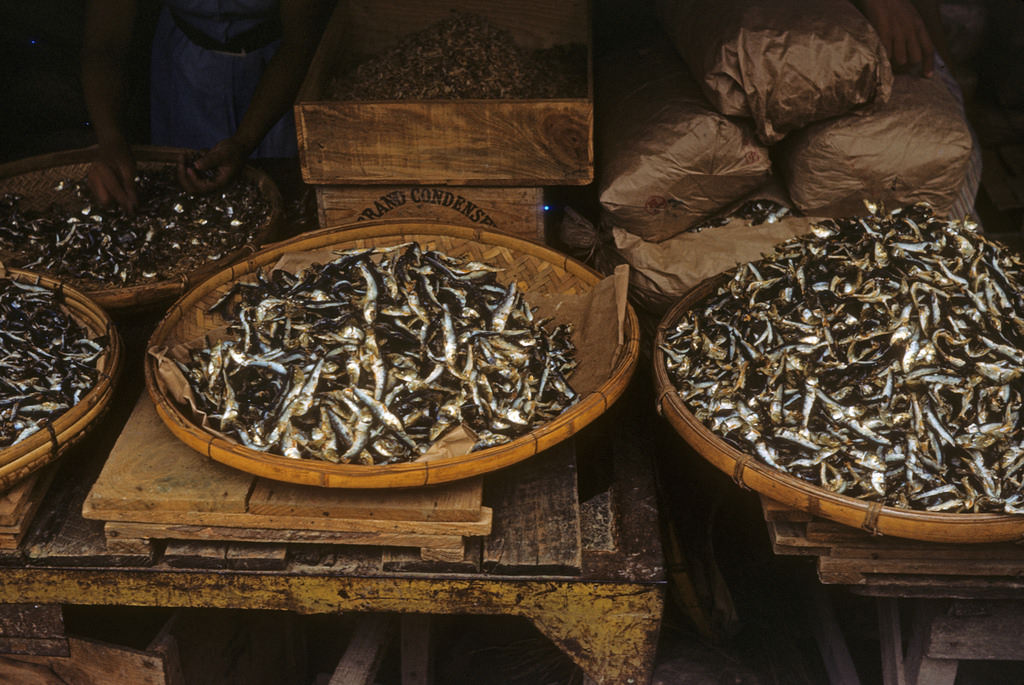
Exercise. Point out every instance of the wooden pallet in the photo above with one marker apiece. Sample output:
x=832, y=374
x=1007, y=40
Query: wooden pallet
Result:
x=19, y=504
x=885, y=565
x=153, y=487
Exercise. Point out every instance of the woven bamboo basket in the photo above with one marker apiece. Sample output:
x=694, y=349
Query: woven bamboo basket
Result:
x=34, y=179
x=536, y=268
x=797, y=493
x=45, y=446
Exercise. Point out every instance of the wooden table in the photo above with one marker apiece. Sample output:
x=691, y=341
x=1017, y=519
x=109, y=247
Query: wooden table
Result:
x=963, y=602
x=574, y=548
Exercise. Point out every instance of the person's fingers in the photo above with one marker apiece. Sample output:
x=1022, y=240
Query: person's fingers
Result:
x=928, y=52
x=108, y=186
x=128, y=199
x=98, y=187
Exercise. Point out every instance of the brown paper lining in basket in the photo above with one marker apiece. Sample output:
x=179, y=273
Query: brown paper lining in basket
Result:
x=598, y=320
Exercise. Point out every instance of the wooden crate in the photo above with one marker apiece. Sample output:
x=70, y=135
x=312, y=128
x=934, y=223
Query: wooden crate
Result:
x=516, y=211
x=446, y=142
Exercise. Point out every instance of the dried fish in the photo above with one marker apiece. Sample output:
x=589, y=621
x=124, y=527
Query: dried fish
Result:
x=878, y=356
x=375, y=355
x=48, y=361
x=171, y=232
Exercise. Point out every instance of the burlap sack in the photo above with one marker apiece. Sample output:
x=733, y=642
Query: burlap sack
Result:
x=785, y=63
x=913, y=148
x=665, y=158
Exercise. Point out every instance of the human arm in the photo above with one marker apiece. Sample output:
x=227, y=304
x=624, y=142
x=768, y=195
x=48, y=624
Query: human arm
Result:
x=108, y=32
x=903, y=27
x=275, y=94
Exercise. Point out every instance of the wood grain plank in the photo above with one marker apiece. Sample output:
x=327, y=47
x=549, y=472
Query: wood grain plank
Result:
x=448, y=142
x=978, y=630
x=195, y=554
x=13, y=502
x=257, y=556
x=149, y=469
x=537, y=515
x=458, y=501
x=229, y=534
x=327, y=526
x=362, y=657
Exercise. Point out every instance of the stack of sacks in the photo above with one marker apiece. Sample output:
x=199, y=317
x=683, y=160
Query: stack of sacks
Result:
x=808, y=84
x=668, y=159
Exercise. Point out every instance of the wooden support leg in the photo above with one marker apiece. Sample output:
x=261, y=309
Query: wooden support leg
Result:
x=613, y=639
x=417, y=665
x=831, y=642
x=362, y=657
x=890, y=636
x=922, y=669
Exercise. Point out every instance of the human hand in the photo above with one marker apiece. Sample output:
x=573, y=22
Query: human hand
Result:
x=111, y=177
x=214, y=168
x=903, y=33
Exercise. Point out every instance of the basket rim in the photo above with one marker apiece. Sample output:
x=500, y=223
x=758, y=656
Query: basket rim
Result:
x=407, y=474
x=141, y=295
x=792, y=491
x=44, y=446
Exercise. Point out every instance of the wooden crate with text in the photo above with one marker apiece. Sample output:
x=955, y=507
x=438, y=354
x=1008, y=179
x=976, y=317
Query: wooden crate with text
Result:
x=515, y=211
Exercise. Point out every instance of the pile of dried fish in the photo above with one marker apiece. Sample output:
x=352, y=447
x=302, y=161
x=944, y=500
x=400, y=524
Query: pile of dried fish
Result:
x=171, y=232
x=465, y=56
x=375, y=355
x=754, y=212
x=880, y=357
x=47, y=360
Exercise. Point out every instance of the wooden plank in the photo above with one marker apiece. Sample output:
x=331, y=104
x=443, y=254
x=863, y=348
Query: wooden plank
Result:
x=978, y=630
x=950, y=567
x=362, y=657
x=515, y=211
x=313, y=525
x=31, y=621
x=34, y=646
x=195, y=554
x=14, y=501
x=257, y=556
x=829, y=636
x=789, y=537
x=416, y=650
x=19, y=506
x=921, y=668
x=229, y=534
x=150, y=469
x=537, y=516
x=910, y=550
x=412, y=561
x=890, y=634
x=97, y=663
x=458, y=501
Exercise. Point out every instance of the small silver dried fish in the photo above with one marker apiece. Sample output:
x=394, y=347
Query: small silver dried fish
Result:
x=375, y=355
x=881, y=357
x=171, y=231
x=48, y=361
